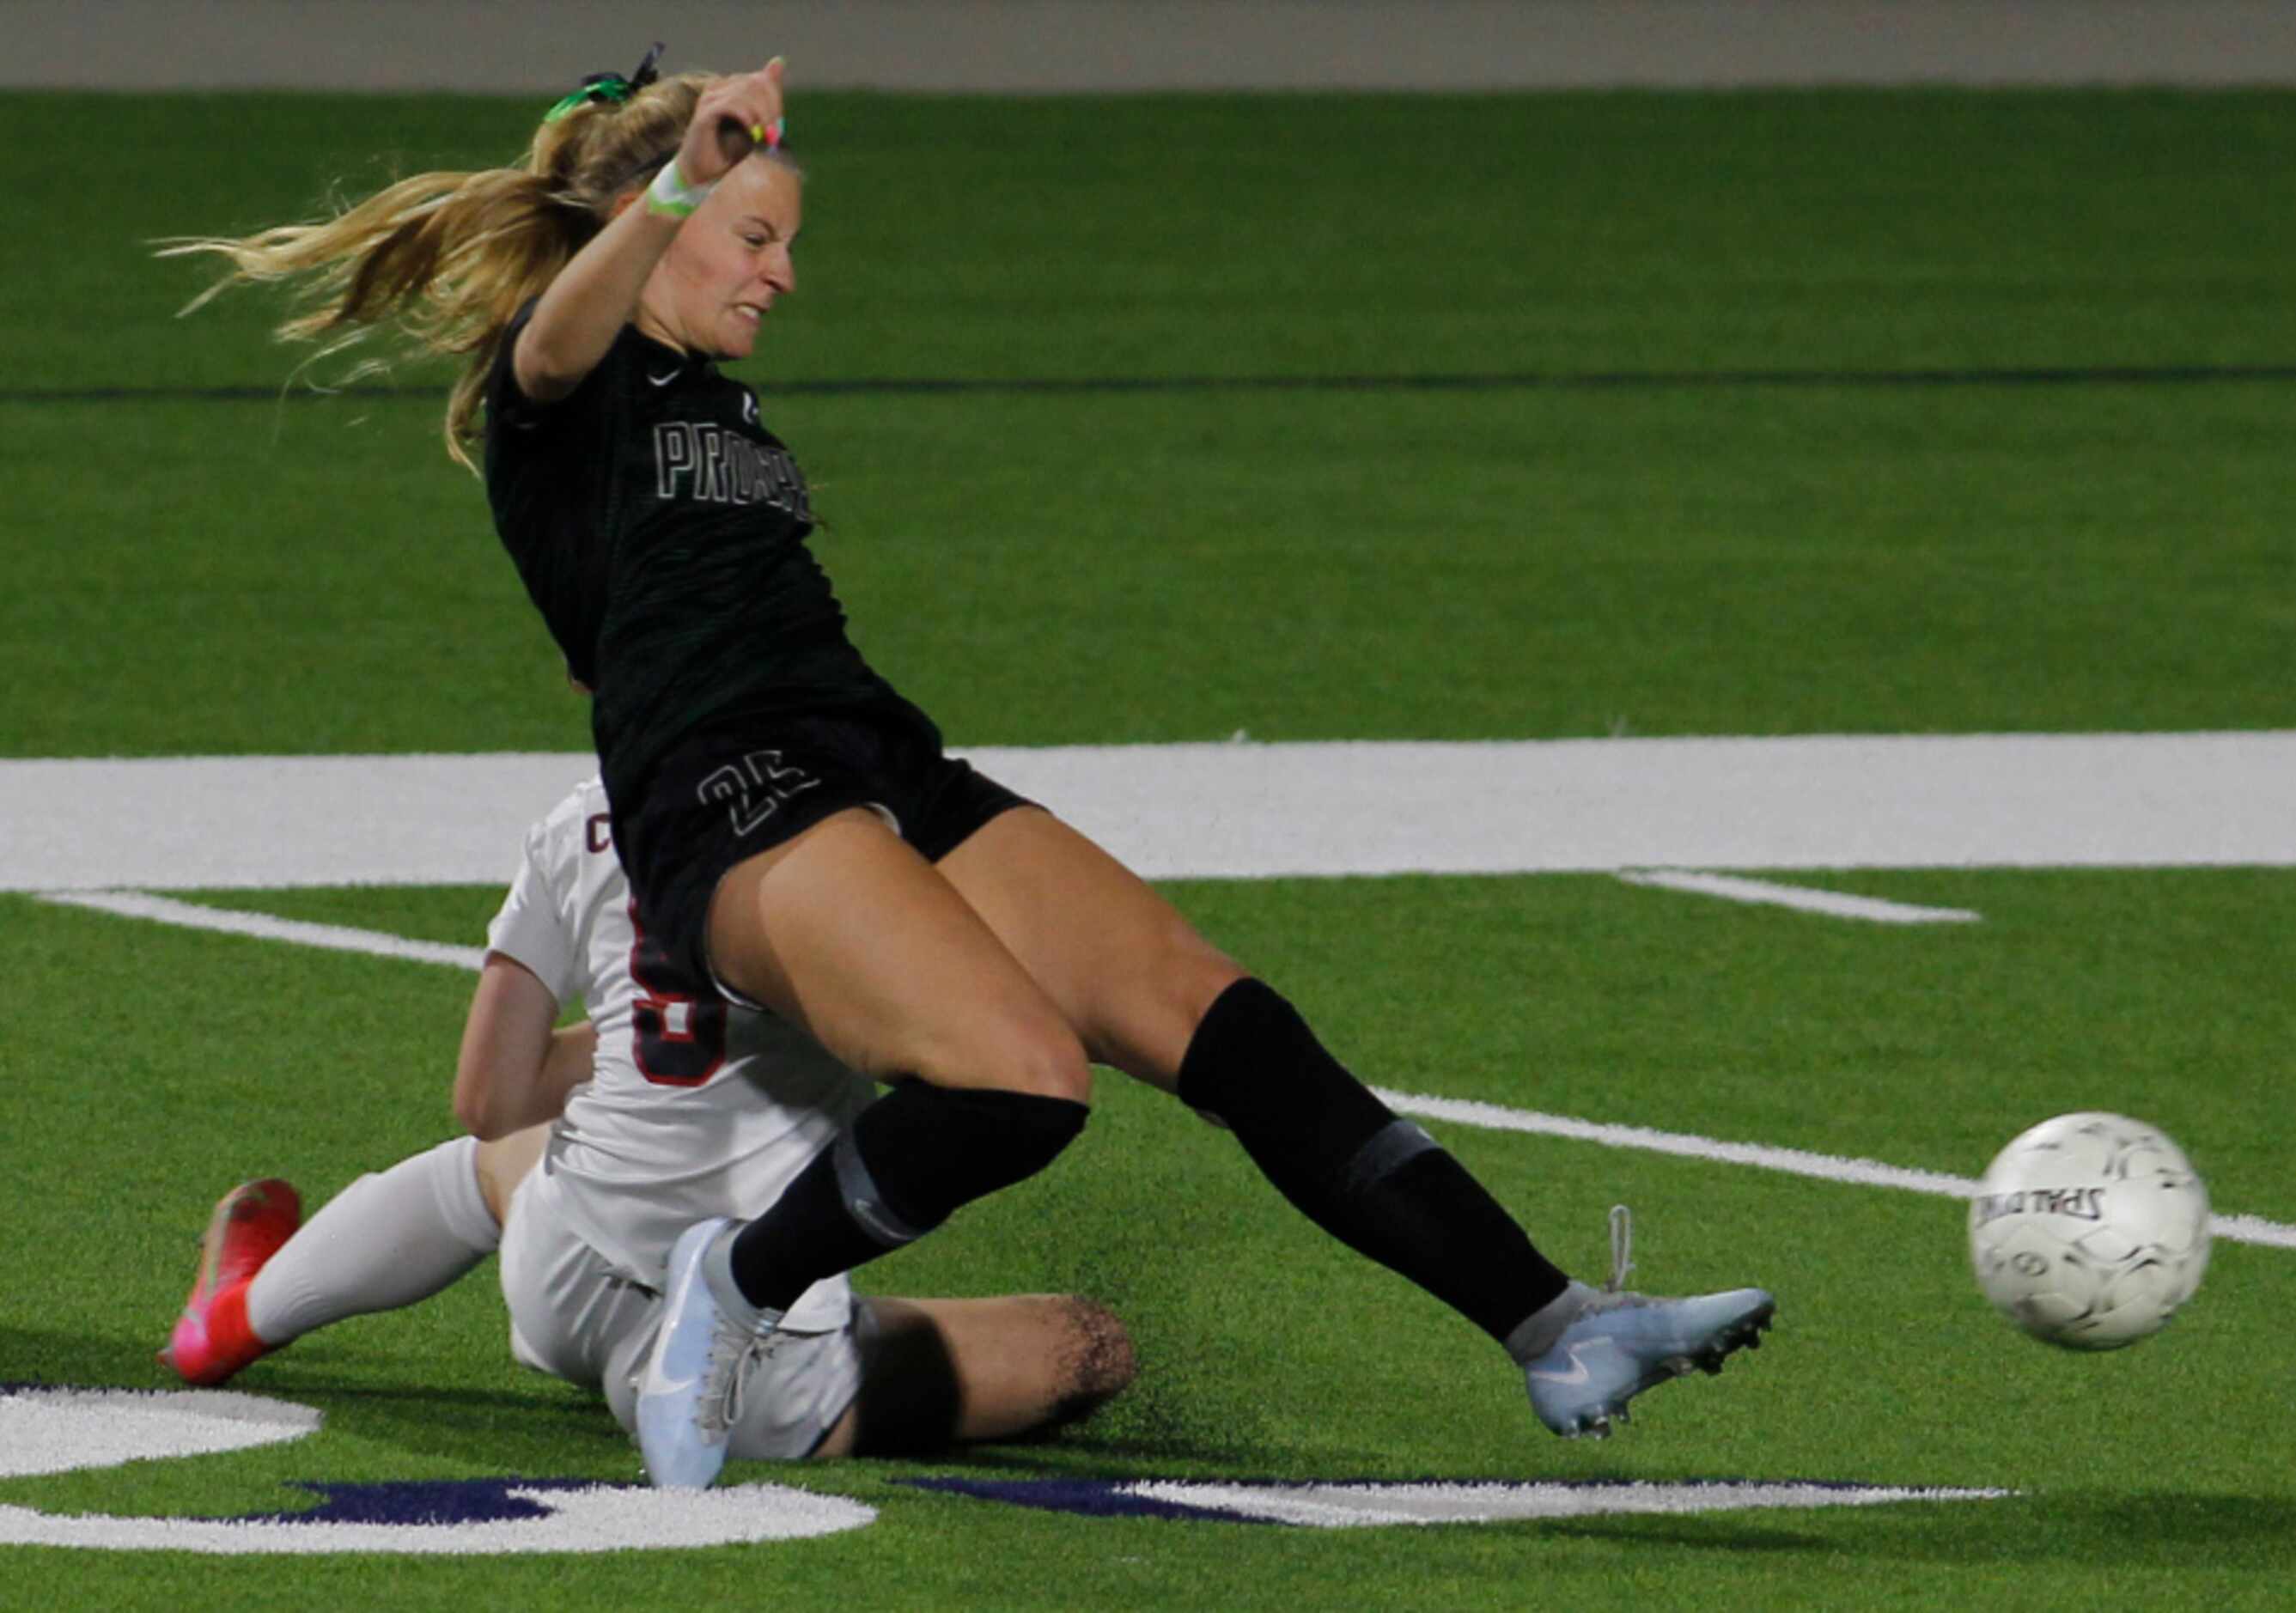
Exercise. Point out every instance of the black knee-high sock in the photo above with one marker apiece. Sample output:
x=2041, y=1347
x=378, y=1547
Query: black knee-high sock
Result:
x=899, y=1170
x=1378, y=1184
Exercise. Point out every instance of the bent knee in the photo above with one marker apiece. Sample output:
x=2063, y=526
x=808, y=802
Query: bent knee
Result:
x=1038, y=1055
x=1197, y=982
x=1150, y=1031
x=1054, y=1068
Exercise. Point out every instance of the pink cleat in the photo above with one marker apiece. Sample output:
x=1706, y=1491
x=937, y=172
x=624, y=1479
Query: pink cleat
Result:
x=212, y=1339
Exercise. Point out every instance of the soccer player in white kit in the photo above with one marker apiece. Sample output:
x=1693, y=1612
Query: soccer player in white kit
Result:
x=593, y=1147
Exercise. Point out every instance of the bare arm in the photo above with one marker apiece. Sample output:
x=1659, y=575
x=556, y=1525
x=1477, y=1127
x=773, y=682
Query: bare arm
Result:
x=596, y=295
x=514, y=1069
x=588, y=304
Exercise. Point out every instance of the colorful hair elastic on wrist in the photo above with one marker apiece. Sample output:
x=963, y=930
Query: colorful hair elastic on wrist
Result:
x=610, y=88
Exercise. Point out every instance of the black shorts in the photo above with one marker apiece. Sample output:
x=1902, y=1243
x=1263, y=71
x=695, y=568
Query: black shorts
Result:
x=728, y=791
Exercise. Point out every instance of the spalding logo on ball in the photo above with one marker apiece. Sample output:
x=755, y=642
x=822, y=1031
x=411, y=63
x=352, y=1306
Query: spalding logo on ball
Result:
x=2089, y=1230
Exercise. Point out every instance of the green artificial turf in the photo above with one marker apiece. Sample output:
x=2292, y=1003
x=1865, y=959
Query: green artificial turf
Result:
x=1268, y=1352
x=1796, y=414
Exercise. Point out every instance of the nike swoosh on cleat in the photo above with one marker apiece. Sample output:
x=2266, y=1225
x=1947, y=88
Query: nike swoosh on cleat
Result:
x=653, y=1388
x=1575, y=1375
x=663, y=381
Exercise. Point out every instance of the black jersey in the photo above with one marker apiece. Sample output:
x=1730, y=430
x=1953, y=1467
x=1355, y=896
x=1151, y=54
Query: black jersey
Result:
x=660, y=528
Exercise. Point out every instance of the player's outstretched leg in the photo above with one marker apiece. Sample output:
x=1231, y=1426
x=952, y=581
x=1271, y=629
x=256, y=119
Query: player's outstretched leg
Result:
x=212, y=1339
x=388, y=1240
x=686, y=1404
x=1593, y=1350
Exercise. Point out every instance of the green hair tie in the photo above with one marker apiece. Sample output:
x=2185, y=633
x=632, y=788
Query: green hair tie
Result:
x=610, y=88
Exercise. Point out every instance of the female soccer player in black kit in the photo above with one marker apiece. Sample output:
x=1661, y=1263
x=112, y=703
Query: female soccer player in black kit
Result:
x=790, y=823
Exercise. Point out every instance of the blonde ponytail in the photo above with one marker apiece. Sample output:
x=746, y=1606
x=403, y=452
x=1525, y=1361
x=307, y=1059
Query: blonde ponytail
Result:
x=445, y=260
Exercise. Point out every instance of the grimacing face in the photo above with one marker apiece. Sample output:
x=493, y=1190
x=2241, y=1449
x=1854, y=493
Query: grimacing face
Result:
x=729, y=263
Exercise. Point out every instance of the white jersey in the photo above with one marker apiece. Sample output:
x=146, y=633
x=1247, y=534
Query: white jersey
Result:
x=695, y=1107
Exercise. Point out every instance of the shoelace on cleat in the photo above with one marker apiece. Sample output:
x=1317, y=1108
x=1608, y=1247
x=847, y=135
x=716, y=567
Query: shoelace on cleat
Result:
x=731, y=1350
x=1614, y=1295
x=1622, y=1244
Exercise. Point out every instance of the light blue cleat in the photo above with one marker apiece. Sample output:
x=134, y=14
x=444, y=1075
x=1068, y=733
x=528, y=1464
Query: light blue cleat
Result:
x=1620, y=1343
x=689, y=1397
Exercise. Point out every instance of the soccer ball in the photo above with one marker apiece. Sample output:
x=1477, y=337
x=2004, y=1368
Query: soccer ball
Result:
x=2089, y=1230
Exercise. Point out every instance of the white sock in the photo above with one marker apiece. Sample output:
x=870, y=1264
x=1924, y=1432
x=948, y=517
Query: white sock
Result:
x=384, y=1241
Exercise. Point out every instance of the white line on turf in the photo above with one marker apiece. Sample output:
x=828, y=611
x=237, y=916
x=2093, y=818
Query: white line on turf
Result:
x=1831, y=903
x=331, y=937
x=1370, y=1504
x=1793, y=1161
x=1253, y=811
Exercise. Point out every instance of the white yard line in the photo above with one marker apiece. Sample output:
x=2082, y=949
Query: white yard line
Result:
x=1763, y=893
x=331, y=937
x=1792, y=1161
x=1370, y=1504
x=1252, y=811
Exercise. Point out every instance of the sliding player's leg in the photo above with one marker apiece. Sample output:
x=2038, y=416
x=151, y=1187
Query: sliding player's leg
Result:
x=906, y=1377
x=943, y=1373
x=390, y=1238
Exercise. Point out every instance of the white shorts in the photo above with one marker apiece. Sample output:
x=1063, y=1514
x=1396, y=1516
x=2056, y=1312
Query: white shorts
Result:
x=571, y=1315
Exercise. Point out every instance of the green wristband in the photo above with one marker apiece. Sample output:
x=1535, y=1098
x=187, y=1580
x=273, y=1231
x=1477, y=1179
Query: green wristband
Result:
x=671, y=197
